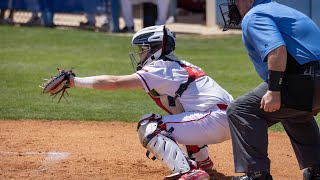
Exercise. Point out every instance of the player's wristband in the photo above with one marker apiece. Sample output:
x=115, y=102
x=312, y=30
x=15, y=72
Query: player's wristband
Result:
x=275, y=80
x=86, y=82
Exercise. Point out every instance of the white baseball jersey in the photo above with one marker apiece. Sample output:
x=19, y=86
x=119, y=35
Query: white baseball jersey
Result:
x=166, y=76
x=203, y=122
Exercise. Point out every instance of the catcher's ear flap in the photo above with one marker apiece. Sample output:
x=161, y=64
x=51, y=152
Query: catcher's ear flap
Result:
x=168, y=42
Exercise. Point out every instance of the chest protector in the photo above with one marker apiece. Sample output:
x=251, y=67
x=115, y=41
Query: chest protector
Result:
x=171, y=104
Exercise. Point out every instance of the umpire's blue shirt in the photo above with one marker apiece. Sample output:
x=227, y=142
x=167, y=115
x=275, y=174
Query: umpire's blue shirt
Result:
x=269, y=25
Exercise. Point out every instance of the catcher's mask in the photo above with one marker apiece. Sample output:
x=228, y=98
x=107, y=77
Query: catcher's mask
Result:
x=149, y=44
x=230, y=15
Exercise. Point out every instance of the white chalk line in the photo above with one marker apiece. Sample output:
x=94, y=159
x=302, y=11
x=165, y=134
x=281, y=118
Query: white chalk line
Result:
x=52, y=157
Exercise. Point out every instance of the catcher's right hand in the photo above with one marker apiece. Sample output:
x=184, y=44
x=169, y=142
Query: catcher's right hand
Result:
x=58, y=84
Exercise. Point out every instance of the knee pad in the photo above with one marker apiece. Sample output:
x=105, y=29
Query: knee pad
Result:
x=161, y=144
x=147, y=125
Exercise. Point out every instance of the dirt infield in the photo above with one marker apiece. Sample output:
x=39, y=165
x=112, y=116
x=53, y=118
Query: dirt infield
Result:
x=100, y=150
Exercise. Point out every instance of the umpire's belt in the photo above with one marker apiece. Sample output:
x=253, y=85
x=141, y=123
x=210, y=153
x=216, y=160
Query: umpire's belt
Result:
x=310, y=68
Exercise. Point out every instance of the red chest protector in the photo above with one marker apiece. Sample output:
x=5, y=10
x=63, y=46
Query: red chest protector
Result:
x=171, y=104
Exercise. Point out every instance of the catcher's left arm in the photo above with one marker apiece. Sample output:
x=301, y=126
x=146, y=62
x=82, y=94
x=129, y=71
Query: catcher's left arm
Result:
x=67, y=79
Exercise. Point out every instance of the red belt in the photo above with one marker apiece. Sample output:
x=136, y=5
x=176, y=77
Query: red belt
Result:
x=222, y=106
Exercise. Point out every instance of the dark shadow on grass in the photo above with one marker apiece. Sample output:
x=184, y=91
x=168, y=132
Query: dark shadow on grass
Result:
x=215, y=175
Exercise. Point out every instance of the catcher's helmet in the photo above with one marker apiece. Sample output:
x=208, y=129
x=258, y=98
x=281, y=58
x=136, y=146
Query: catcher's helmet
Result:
x=152, y=42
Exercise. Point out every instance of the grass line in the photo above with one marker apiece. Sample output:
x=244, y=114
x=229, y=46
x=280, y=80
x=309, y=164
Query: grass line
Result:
x=29, y=54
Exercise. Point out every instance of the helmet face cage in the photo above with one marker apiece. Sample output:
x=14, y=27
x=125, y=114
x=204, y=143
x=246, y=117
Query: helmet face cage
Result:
x=138, y=55
x=230, y=15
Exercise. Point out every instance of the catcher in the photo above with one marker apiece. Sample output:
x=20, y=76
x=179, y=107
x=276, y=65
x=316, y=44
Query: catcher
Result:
x=196, y=104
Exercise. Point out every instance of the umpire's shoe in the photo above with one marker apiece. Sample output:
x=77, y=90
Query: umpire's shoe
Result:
x=259, y=175
x=312, y=173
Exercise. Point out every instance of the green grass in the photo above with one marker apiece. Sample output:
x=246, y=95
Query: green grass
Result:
x=28, y=55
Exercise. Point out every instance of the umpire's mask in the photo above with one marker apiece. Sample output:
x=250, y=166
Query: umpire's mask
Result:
x=230, y=15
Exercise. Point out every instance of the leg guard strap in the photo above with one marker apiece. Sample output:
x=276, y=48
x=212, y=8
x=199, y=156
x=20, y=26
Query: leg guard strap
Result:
x=169, y=153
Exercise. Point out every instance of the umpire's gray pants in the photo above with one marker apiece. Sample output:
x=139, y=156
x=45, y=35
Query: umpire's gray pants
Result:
x=249, y=130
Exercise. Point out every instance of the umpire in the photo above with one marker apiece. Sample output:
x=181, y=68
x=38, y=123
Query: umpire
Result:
x=284, y=46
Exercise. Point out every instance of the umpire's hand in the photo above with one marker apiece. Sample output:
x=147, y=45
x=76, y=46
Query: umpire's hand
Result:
x=271, y=101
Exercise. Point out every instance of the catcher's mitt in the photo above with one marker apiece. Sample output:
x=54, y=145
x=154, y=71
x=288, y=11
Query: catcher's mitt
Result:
x=58, y=84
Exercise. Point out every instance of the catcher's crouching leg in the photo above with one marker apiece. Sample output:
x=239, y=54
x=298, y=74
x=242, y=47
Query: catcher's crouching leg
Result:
x=154, y=137
x=200, y=154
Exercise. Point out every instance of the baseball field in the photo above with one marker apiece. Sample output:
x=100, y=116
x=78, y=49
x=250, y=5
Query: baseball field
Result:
x=94, y=135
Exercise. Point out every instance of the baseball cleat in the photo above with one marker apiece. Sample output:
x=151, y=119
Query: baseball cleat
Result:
x=312, y=173
x=195, y=174
x=206, y=164
x=259, y=175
